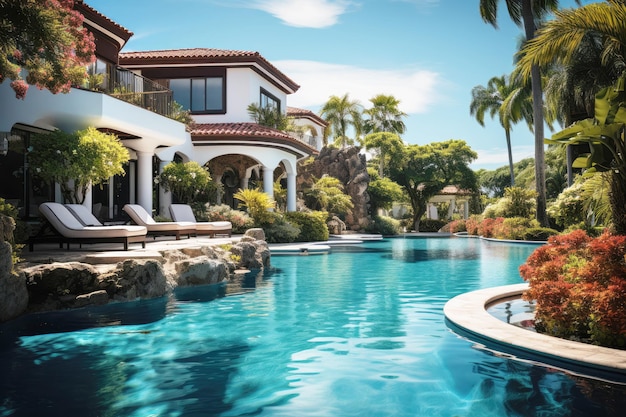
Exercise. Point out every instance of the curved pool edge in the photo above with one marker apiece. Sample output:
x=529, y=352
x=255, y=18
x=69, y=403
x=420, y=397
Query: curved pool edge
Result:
x=468, y=316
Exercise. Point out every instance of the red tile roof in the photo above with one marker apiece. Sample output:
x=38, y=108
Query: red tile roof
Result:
x=242, y=131
x=296, y=112
x=237, y=129
x=203, y=56
x=122, y=31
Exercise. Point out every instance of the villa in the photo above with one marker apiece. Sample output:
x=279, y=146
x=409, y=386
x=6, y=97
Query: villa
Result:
x=133, y=95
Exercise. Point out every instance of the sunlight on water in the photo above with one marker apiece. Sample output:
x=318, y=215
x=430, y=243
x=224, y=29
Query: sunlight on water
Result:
x=359, y=332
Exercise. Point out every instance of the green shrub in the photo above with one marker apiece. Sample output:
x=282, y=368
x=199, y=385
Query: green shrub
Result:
x=517, y=202
x=539, y=233
x=431, y=225
x=312, y=225
x=279, y=230
x=386, y=226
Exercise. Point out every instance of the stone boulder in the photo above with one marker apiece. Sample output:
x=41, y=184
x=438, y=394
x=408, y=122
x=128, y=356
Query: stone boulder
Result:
x=252, y=253
x=13, y=292
x=133, y=279
x=200, y=270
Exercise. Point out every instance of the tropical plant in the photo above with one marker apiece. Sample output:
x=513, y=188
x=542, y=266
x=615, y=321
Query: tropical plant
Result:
x=526, y=13
x=341, y=113
x=258, y=204
x=76, y=161
x=188, y=181
x=604, y=133
x=327, y=195
x=384, y=115
x=424, y=170
x=48, y=41
x=384, y=143
x=269, y=116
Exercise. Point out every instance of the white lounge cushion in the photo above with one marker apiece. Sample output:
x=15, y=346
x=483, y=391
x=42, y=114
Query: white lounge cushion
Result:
x=140, y=216
x=83, y=215
x=68, y=225
x=183, y=212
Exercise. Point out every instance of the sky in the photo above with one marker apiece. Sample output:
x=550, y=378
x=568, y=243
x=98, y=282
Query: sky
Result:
x=428, y=54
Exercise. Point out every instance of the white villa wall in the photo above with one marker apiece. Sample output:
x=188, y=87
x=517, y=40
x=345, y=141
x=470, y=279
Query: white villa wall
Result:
x=243, y=87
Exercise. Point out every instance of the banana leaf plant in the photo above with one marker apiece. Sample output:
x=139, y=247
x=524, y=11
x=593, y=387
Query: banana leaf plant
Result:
x=604, y=133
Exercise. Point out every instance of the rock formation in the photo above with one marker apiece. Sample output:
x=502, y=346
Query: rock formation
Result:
x=62, y=285
x=349, y=167
x=13, y=293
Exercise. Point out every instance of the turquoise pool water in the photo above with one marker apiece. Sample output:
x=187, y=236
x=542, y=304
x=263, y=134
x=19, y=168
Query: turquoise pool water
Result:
x=359, y=332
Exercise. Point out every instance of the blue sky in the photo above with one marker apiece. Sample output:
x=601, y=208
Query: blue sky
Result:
x=429, y=54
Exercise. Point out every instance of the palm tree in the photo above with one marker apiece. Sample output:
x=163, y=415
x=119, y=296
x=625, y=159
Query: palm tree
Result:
x=340, y=113
x=525, y=13
x=503, y=97
x=587, y=46
x=384, y=115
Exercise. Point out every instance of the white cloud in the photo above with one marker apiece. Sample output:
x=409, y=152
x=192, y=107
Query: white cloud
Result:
x=415, y=88
x=302, y=13
x=496, y=157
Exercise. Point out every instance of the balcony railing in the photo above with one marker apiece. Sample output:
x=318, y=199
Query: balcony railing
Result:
x=132, y=88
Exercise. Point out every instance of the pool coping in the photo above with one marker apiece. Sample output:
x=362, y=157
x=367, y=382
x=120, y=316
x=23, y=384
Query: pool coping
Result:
x=466, y=314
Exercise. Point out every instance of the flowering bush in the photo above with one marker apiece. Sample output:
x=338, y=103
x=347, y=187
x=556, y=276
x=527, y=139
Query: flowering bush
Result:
x=240, y=220
x=472, y=223
x=485, y=228
x=187, y=181
x=579, y=285
x=513, y=228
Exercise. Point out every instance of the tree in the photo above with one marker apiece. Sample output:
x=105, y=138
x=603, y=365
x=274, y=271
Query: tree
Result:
x=384, y=115
x=525, y=13
x=560, y=39
x=604, y=133
x=383, y=192
x=46, y=38
x=341, y=113
x=424, y=170
x=503, y=97
x=385, y=143
x=77, y=160
x=187, y=181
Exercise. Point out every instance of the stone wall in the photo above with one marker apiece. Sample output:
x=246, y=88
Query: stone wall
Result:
x=63, y=285
x=349, y=166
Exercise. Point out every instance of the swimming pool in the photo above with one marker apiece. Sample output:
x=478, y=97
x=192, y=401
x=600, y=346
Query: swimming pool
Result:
x=359, y=332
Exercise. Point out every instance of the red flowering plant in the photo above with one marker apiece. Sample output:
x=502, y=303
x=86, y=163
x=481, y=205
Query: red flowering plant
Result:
x=579, y=286
x=486, y=227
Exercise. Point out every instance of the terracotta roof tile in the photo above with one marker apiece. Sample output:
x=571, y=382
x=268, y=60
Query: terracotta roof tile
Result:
x=246, y=130
x=297, y=112
x=203, y=56
x=127, y=33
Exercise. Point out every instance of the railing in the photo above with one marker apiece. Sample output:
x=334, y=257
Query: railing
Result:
x=132, y=88
x=305, y=138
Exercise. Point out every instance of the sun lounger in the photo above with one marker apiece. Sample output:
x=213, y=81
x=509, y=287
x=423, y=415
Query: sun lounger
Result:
x=140, y=216
x=83, y=215
x=183, y=212
x=71, y=230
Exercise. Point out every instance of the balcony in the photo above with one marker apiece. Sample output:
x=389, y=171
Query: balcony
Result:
x=132, y=88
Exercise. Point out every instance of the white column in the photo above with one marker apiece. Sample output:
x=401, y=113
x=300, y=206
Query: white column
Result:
x=144, y=180
x=466, y=209
x=291, y=192
x=165, y=197
x=111, y=206
x=268, y=181
x=219, y=194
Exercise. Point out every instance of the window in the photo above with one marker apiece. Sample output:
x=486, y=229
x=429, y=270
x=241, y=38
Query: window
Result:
x=199, y=95
x=269, y=100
